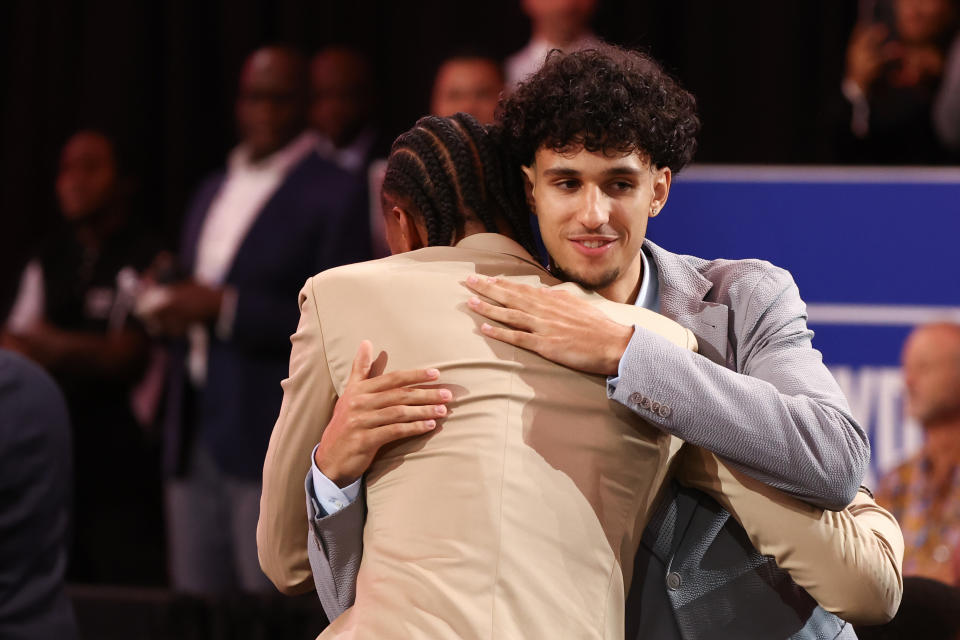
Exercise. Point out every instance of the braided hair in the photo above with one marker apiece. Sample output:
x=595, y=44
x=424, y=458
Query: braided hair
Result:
x=453, y=171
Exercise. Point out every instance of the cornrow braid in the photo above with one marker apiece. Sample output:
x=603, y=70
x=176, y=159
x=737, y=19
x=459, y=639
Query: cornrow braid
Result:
x=453, y=171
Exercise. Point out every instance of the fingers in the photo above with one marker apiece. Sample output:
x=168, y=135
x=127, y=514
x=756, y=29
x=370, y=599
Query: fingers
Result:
x=409, y=396
x=511, y=317
x=361, y=362
x=520, y=339
x=509, y=294
x=392, y=432
x=396, y=379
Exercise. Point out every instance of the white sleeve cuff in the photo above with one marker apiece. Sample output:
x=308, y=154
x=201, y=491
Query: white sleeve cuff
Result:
x=330, y=497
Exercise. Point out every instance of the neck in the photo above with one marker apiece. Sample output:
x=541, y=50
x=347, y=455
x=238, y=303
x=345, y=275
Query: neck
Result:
x=943, y=438
x=557, y=37
x=97, y=228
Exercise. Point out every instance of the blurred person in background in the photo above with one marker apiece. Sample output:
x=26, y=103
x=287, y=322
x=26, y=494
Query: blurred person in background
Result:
x=946, y=108
x=343, y=106
x=467, y=82
x=252, y=235
x=924, y=492
x=36, y=482
x=343, y=113
x=73, y=317
x=890, y=83
x=555, y=24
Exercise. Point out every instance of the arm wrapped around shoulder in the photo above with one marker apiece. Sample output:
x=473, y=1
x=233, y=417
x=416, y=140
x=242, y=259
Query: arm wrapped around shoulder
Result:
x=849, y=561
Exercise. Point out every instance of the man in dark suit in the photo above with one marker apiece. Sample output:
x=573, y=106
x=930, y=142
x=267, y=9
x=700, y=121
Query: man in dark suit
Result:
x=252, y=236
x=36, y=481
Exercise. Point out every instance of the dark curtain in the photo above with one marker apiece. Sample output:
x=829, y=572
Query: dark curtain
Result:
x=160, y=77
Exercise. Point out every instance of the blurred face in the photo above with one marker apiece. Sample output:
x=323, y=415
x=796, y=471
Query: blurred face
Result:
x=561, y=20
x=592, y=210
x=922, y=21
x=341, y=95
x=931, y=371
x=87, y=179
x=271, y=104
x=468, y=85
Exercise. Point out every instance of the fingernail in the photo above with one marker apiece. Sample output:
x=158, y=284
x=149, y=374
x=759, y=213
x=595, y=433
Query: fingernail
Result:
x=473, y=279
x=485, y=327
x=430, y=424
x=474, y=301
x=440, y=410
x=445, y=394
x=433, y=373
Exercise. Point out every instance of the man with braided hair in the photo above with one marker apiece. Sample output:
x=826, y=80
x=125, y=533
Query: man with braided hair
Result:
x=509, y=507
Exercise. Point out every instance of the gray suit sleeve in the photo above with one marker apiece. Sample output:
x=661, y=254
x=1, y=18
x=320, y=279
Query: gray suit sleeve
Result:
x=782, y=419
x=335, y=547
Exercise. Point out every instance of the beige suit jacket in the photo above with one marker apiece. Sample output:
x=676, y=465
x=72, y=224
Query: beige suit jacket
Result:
x=522, y=511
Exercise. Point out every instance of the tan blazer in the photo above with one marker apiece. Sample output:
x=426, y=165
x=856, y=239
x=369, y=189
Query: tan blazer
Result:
x=520, y=514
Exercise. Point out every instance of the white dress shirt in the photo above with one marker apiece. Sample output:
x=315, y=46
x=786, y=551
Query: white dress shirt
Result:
x=248, y=186
x=352, y=157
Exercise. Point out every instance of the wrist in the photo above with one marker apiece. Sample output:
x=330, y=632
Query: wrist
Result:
x=331, y=470
x=616, y=347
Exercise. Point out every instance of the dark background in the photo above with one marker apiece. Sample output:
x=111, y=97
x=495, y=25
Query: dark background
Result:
x=160, y=76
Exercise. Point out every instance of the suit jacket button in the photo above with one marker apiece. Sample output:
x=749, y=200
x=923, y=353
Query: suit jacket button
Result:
x=674, y=581
x=636, y=398
x=645, y=402
x=655, y=407
x=665, y=411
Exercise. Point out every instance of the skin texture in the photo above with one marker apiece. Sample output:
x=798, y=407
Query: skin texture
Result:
x=342, y=95
x=582, y=197
x=914, y=57
x=87, y=180
x=931, y=371
x=467, y=85
x=375, y=410
x=559, y=22
x=271, y=104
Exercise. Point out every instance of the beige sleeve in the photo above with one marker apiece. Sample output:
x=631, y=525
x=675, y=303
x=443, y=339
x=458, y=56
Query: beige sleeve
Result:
x=308, y=401
x=849, y=561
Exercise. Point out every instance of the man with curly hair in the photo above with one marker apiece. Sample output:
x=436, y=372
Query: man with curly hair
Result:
x=599, y=135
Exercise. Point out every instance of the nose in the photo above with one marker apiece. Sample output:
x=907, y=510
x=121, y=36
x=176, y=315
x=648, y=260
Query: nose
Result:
x=596, y=208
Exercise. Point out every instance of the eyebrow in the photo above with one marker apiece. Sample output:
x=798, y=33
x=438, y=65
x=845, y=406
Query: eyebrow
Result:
x=564, y=172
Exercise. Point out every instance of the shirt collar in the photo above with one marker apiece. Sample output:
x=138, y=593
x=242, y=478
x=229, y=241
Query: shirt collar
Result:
x=648, y=296
x=279, y=161
x=351, y=157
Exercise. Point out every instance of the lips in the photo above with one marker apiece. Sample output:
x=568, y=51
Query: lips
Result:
x=592, y=245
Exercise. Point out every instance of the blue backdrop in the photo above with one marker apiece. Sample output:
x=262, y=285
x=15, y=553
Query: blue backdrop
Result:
x=873, y=250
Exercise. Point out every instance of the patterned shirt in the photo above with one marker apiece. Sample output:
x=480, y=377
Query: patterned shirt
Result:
x=928, y=514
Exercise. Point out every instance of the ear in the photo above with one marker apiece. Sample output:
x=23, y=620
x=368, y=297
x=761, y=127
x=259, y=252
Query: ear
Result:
x=661, y=190
x=410, y=232
x=530, y=183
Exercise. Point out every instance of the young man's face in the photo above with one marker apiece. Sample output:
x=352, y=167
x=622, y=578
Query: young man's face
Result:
x=592, y=210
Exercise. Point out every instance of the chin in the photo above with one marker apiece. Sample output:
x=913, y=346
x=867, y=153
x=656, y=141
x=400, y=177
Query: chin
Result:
x=590, y=282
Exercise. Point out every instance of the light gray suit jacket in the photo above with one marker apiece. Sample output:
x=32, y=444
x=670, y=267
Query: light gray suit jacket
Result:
x=761, y=398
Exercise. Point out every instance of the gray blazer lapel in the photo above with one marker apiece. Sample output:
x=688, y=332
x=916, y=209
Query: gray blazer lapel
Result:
x=682, y=293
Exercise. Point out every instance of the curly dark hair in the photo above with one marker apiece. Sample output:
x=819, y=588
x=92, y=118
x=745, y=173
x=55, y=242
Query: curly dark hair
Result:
x=454, y=169
x=605, y=99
